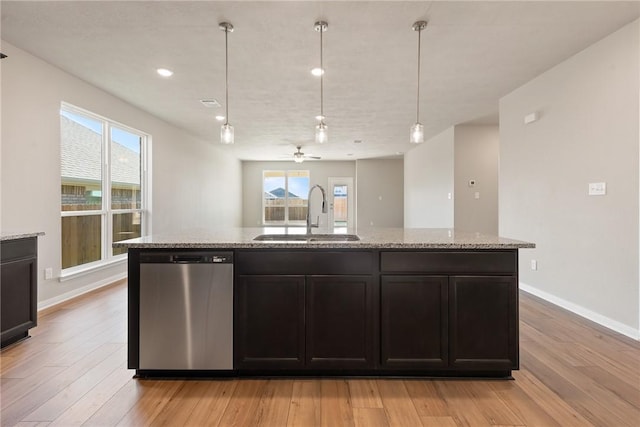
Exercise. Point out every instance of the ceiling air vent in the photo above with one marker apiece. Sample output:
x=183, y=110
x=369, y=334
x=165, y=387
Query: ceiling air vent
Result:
x=210, y=103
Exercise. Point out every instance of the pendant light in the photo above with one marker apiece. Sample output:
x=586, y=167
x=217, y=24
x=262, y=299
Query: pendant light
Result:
x=226, y=131
x=416, y=135
x=321, y=128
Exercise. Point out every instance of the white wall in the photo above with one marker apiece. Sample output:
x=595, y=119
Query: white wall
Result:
x=252, y=183
x=380, y=192
x=476, y=152
x=428, y=181
x=588, y=131
x=187, y=173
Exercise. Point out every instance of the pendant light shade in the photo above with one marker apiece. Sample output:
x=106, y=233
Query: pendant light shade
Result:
x=416, y=135
x=322, y=135
x=226, y=131
x=226, y=134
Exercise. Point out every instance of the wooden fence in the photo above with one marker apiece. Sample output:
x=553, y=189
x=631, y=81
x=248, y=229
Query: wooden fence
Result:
x=82, y=236
x=274, y=210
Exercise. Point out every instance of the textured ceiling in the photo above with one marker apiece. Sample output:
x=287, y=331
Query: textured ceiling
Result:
x=473, y=54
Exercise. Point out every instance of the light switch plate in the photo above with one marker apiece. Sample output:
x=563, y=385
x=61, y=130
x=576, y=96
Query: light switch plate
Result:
x=597, y=188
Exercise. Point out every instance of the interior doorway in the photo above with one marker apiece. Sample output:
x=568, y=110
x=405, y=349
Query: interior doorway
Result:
x=341, y=203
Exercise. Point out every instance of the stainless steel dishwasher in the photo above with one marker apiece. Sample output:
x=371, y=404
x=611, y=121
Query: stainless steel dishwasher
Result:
x=186, y=310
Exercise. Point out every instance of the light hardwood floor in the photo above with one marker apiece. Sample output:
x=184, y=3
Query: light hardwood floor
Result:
x=73, y=372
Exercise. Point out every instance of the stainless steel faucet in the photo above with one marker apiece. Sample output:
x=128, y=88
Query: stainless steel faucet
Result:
x=310, y=225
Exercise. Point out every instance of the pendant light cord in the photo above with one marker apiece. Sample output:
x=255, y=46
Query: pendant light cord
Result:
x=418, y=97
x=321, y=77
x=226, y=75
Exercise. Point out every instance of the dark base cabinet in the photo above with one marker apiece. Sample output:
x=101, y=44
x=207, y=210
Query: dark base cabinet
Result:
x=483, y=322
x=413, y=325
x=339, y=322
x=456, y=310
x=270, y=310
x=18, y=289
x=293, y=320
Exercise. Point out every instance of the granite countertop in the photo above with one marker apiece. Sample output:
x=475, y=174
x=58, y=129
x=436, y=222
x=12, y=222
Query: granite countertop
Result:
x=9, y=235
x=370, y=238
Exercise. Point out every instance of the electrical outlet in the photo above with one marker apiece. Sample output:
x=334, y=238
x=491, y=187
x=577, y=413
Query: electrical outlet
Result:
x=597, y=188
x=534, y=264
x=48, y=273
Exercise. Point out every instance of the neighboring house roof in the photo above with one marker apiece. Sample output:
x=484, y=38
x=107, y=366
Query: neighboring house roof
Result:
x=80, y=156
x=280, y=192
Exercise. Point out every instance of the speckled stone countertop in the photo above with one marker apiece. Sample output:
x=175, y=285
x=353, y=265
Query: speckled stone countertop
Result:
x=8, y=235
x=370, y=238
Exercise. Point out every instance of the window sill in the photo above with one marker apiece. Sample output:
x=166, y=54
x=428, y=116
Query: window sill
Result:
x=90, y=269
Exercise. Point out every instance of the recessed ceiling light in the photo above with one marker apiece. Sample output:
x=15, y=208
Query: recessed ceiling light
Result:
x=164, y=72
x=210, y=103
x=219, y=118
x=317, y=72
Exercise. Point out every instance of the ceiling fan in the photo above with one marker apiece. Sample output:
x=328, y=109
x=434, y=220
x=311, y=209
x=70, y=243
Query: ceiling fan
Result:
x=299, y=156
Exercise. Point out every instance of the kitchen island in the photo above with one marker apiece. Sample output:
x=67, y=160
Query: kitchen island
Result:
x=408, y=302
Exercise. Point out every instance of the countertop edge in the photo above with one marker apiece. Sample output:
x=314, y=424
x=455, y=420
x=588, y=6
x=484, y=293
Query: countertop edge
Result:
x=16, y=236
x=324, y=245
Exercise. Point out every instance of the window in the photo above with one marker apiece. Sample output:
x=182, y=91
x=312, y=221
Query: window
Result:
x=102, y=187
x=284, y=197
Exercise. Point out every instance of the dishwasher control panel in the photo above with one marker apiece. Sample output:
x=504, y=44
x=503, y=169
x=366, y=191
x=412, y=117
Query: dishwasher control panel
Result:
x=186, y=257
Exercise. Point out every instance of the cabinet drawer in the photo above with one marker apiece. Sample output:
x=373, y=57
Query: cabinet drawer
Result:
x=304, y=262
x=18, y=249
x=450, y=262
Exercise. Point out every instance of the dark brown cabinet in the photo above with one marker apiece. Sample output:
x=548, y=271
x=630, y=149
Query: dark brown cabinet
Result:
x=286, y=319
x=18, y=288
x=298, y=322
x=414, y=318
x=446, y=310
x=339, y=322
x=269, y=319
x=483, y=322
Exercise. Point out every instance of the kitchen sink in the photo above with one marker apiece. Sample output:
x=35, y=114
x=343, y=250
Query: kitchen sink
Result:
x=307, y=238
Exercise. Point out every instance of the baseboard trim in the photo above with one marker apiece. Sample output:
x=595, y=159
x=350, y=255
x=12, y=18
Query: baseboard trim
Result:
x=42, y=305
x=605, y=321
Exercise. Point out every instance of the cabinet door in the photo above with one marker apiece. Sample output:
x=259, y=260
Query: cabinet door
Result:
x=269, y=322
x=414, y=322
x=18, y=294
x=483, y=321
x=339, y=322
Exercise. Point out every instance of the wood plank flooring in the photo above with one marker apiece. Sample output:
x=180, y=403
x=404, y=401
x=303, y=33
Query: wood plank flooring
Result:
x=72, y=372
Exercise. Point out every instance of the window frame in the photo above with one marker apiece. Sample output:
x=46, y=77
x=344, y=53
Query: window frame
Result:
x=107, y=212
x=286, y=222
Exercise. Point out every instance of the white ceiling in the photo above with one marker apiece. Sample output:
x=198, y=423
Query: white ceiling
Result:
x=473, y=54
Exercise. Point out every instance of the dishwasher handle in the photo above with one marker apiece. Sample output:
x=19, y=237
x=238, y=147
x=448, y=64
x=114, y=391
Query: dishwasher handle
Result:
x=187, y=259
